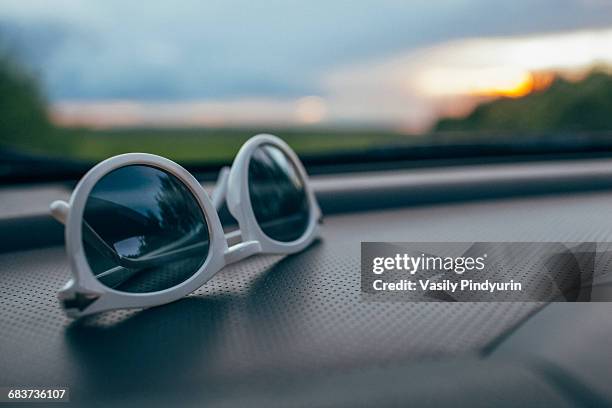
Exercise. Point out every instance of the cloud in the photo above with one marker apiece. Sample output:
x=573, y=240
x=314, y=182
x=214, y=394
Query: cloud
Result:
x=389, y=62
x=172, y=50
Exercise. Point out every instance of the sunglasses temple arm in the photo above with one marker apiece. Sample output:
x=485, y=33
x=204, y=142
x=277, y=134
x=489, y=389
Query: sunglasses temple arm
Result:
x=60, y=210
x=233, y=237
x=220, y=191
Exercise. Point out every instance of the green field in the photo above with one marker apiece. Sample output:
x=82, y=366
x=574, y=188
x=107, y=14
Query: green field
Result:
x=196, y=145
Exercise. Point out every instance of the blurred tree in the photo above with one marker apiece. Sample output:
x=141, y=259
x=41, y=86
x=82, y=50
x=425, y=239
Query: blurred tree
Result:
x=585, y=105
x=23, y=116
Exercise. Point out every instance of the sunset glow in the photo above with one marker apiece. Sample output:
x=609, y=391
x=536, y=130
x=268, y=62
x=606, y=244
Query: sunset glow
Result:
x=507, y=66
x=521, y=87
x=490, y=81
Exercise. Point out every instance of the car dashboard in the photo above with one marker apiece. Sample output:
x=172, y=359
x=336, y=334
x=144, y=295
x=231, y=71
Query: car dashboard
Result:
x=298, y=330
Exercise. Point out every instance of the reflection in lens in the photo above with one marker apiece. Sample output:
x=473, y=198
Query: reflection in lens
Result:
x=143, y=230
x=277, y=194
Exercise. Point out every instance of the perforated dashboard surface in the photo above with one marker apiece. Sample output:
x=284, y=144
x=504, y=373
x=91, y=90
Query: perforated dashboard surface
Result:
x=271, y=320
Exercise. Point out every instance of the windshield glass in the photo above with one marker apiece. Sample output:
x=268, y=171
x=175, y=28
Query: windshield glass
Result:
x=81, y=81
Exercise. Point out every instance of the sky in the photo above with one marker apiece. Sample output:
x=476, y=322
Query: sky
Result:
x=398, y=64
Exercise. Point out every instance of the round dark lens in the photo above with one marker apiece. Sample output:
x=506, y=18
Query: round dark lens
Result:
x=277, y=194
x=143, y=230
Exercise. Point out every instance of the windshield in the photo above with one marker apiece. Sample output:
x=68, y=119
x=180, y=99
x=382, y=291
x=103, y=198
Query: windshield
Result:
x=81, y=81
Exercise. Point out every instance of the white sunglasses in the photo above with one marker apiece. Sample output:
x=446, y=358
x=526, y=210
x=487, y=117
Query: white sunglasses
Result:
x=141, y=231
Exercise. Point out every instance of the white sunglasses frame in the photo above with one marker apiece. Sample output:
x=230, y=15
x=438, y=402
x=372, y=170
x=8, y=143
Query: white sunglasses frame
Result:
x=83, y=294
